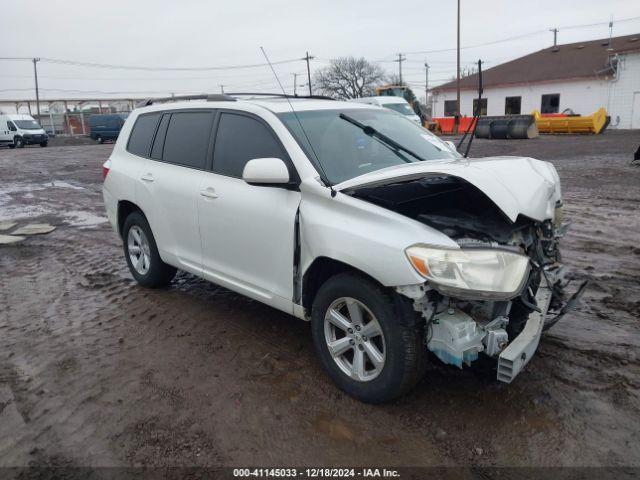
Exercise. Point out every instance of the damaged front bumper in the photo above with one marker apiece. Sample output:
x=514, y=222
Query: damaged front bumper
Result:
x=457, y=339
x=521, y=349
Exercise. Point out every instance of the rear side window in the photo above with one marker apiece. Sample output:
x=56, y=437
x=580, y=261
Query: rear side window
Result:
x=142, y=133
x=240, y=139
x=187, y=139
x=158, y=143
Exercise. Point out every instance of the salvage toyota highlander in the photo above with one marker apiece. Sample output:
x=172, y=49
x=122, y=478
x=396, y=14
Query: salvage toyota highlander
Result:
x=349, y=216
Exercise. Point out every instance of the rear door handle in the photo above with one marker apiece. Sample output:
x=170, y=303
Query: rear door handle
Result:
x=147, y=178
x=208, y=192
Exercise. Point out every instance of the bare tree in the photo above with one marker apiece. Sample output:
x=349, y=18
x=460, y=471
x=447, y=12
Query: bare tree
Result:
x=349, y=77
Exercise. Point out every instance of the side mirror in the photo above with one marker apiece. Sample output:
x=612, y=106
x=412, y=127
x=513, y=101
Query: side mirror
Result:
x=265, y=171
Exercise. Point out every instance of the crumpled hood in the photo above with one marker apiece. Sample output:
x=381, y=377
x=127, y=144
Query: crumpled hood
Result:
x=517, y=185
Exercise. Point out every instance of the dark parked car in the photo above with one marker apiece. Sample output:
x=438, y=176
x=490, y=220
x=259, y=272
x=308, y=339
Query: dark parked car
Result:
x=106, y=127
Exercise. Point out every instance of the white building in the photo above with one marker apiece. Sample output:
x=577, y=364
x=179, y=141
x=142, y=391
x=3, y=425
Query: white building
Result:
x=580, y=76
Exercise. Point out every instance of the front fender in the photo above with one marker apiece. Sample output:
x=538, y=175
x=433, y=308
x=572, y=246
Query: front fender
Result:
x=365, y=236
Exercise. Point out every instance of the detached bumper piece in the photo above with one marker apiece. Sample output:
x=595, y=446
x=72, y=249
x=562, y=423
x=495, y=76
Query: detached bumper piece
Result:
x=513, y=358
x=570, y=305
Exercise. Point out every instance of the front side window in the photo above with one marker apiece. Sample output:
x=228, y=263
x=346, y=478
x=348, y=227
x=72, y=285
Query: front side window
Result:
x=450, y=108
x=239, y=139
x=187, y=139
x=550, y=103
x=142, y=134
x=11, y=126
x=345, y=151
x=512, y=105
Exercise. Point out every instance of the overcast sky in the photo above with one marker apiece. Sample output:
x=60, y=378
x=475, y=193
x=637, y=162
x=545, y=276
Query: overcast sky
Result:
x=200, y=34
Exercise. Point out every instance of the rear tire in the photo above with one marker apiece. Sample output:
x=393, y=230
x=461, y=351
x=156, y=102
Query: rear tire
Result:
x=100, y=140
x=141, y=253
x=44, y=144
x=401, y=339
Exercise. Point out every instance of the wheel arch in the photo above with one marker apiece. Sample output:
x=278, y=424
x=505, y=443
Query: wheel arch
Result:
x=321, y=270
x=126, y=208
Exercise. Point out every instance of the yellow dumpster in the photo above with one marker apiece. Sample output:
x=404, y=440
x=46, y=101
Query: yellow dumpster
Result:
x=594, y=123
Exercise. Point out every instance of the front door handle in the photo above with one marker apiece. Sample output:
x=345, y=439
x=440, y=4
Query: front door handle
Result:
x=147, y=178
x=208, y=192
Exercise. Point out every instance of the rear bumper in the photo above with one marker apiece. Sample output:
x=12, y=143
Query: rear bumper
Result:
x=111, y=208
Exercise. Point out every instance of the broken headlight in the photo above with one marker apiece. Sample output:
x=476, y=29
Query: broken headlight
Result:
x=471, y=273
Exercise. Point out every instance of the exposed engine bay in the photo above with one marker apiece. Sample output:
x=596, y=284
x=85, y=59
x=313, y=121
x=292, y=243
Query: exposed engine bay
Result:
x=459, y=328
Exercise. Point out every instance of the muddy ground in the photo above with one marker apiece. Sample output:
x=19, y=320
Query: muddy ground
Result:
x=96, y=371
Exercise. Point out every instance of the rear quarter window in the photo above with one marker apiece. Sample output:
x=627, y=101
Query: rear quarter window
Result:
x=187, y=139
x=142, y=134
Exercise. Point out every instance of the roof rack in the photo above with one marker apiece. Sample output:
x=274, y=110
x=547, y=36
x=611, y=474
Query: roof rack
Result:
x=279, y=95
x=215, y=97
x=224, y=97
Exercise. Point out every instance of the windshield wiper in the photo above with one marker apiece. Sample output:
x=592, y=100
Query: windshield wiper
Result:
x=372, y=132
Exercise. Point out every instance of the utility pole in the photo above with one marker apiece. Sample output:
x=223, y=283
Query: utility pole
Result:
x=555, y=36
x=401, y=58
x=426, y=84
x=222, y=89
x=295, y=84
x=456, y=123
x=35, y=75
x=307, y=58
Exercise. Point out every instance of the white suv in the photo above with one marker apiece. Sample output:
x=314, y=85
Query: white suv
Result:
x=349, y=216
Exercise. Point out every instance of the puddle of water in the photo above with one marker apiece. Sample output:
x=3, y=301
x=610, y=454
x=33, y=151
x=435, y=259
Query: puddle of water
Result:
x=24, y=211
x=9, y=191
x=78, y=218
x=61, y=184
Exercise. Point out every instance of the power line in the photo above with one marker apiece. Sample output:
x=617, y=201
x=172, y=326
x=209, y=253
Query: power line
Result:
x=74, y=63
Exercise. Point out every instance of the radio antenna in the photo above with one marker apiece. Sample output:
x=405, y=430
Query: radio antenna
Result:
x=293, y=110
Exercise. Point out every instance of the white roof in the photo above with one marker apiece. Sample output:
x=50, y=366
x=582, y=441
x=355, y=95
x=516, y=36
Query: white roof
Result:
x=275, y=104
x=381, y=100
x=301, y=104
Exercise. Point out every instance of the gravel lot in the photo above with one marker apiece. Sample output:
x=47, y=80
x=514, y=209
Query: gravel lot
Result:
x=96, y=371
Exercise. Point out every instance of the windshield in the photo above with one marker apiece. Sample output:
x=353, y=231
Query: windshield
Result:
x=402, y=108
x=27, y=124
x=345, y=151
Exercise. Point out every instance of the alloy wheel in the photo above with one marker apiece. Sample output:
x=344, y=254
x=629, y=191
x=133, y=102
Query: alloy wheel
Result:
x=354, y=339
x=139, y=251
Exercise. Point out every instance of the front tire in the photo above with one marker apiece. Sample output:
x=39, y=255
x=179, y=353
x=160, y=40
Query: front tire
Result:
x=369, y=339
x=18, y=142
x=44, y=144
x=142, y=255
x=100, y=139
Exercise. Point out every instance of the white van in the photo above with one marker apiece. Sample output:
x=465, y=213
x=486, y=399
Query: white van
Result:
x=397, y=104
x=18, y=130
